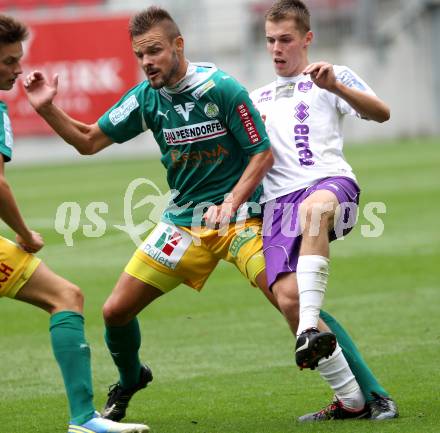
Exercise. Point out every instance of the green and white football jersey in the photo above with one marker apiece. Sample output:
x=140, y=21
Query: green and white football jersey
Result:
x=206, y=127
x=6, y=137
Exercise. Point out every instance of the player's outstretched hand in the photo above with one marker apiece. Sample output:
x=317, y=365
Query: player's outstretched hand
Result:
x=322, y=74
x=31, y=244
x=40, y=91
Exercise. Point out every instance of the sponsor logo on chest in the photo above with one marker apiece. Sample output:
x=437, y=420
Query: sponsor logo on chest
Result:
x=265, y=96
x=301, y=111
x=185, y=110
x=302, y=144
x=194, y=133
x=198, y=93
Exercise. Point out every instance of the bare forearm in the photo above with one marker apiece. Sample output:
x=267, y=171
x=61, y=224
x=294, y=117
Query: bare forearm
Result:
x=254, y=173
x=368, y=106
x=10, y=213
x=70, y=130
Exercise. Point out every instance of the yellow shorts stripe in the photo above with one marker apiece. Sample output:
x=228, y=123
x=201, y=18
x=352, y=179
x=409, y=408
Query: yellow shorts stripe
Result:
x=137, y=268
x=254, y=266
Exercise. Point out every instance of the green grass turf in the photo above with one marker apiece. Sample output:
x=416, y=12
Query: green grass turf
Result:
x=223, y=359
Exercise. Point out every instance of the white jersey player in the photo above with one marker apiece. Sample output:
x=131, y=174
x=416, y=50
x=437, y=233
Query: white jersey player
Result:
x=309, y=187
x=305, y=125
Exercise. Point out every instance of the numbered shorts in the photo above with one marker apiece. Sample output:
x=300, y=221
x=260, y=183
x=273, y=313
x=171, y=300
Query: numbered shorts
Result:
x=172, y=255
x=16, y=267
x=282, y=230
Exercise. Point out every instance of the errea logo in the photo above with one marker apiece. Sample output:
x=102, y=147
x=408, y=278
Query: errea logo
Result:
x=184, y=112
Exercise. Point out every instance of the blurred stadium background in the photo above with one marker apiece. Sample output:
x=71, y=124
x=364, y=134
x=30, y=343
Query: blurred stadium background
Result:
x=223, y=361
x=392, y=44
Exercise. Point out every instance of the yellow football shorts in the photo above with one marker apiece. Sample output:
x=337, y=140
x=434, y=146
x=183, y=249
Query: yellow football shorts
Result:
x=172, y=255
x=16, y=267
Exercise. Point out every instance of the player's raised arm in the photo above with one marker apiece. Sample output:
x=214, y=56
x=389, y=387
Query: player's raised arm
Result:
x=87, y=139
x=367, y=105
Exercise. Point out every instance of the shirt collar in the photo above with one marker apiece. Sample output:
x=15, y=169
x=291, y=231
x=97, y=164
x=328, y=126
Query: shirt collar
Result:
x=282, y=81
x=183, y=83
x=196, y=73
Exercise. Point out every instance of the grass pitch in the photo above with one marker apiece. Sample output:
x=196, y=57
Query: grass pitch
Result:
x=223, y=359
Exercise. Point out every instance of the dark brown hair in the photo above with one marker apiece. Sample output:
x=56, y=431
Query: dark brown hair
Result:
x=145, y=20
x=11, y=30
x=290, y=9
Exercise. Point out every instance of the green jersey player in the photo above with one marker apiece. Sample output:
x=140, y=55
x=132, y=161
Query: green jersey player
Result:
x=206, y=128
x=216, y=152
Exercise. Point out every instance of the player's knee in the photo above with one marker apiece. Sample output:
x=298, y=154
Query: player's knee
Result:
x=71, y=297
x=315, y=217
x=114, y=314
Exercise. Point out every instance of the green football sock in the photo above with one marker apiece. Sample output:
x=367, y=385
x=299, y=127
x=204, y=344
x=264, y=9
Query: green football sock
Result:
x=364, y=376
x=73, y=356
x=124, y=343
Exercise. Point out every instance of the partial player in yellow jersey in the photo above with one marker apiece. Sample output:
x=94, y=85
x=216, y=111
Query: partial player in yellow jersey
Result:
x=25, y=278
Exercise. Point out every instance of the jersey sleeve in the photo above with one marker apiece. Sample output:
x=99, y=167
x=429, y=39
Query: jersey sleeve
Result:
x=243, y=119
x=346, y=76
x=125, y=120
x=6, y=137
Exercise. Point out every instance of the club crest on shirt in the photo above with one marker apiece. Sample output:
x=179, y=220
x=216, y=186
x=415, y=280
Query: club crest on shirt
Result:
x=305, y=86
x=211, y=110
